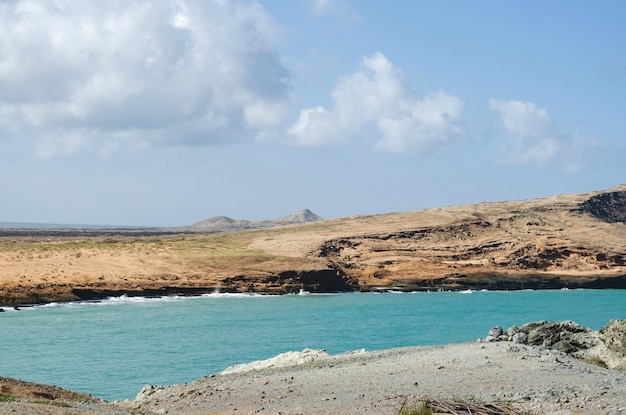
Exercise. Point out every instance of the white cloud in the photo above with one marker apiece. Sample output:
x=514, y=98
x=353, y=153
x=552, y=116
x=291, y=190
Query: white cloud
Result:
x=316, y=126
x=522, y=118
x=187, y=72
x=378, y=97
x=532, y=138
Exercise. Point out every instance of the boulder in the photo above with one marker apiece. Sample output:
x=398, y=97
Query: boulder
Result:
x=565, y=336
x=495, y=331
x=520, y=337
x=147, y=391
x=511, y=331
x=613, y=338
x=606, y=347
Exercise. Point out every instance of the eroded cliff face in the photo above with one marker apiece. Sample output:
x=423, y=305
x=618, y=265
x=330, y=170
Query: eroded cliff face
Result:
x=563, y=241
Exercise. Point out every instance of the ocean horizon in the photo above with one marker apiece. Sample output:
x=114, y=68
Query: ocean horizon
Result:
x=34, y=225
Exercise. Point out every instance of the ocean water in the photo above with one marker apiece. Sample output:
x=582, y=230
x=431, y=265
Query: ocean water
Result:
x=112, y=348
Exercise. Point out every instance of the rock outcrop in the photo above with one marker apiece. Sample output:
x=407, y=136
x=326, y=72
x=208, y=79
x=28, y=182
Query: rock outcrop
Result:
x=567, y=241
x=281, y=360
x=609, y=207
x=606, y=347
x=613, y=337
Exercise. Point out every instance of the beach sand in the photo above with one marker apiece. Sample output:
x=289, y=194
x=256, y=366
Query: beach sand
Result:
x=537, y=380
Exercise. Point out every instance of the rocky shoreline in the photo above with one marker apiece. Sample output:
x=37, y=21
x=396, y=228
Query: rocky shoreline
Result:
x=69, y=294
x=559, y=347
x=558, y=368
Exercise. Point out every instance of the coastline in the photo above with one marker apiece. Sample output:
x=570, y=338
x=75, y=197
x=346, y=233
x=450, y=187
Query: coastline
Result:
x=165, y=293
x=532, y=376
x=526, y=378
x=566, y=241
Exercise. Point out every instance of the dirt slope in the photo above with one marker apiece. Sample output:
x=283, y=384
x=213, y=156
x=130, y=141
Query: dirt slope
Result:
x=561, y=241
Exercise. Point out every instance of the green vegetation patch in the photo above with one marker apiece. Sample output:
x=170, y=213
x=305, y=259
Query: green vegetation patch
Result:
x=7, y=398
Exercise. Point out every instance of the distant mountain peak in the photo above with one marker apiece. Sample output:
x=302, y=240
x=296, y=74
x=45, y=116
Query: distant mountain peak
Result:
x=301, y=216
x=220, y=219
x=224, y=223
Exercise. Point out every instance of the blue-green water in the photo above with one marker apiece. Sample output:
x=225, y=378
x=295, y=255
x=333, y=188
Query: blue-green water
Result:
x=114, y=347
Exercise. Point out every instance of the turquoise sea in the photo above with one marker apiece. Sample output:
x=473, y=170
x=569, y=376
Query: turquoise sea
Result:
x=113, y=347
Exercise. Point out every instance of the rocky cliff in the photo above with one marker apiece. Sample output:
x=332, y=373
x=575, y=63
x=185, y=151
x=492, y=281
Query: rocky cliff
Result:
x=565, y=241
x=568, y=241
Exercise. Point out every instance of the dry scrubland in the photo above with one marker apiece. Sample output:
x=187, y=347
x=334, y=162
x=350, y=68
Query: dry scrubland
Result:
x=561, y=241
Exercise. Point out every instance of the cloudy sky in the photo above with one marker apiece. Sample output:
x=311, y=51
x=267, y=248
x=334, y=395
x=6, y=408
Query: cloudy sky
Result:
x=168, y=112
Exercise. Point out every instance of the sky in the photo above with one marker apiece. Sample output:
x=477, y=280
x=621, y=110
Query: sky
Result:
x=169, y=112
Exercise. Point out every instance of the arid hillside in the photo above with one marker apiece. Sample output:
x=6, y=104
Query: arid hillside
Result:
x=562, y=241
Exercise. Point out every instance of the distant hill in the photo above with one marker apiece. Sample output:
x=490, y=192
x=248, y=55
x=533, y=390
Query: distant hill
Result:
x=301, y=216
x=223, y=223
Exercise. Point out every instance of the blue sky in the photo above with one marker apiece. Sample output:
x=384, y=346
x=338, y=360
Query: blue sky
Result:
x=165, y=113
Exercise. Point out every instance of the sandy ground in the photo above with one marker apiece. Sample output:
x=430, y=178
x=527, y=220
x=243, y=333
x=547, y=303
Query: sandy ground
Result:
x=540, y=381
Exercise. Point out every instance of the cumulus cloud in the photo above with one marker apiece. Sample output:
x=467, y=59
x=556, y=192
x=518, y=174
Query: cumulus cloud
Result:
x=188, y=72
x=532, y=138
x=378, y=98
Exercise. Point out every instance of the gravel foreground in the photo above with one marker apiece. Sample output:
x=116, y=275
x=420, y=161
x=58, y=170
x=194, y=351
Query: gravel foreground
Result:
x=539, y=380
x=534, y=379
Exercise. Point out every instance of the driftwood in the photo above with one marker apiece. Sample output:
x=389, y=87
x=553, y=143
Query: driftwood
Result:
x=437, y=407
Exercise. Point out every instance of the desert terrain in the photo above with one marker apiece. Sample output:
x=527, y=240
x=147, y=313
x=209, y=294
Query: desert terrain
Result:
x=576, y=240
